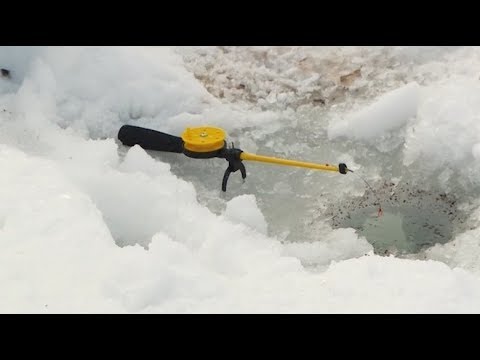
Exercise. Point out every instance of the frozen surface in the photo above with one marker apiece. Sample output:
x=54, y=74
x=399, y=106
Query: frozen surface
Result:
x=87, y=225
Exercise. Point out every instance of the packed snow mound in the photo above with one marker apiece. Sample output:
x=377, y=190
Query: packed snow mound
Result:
x=447, y=130
x=387, y=113
x=244, y=209
x=95, y=90
x=340, y=244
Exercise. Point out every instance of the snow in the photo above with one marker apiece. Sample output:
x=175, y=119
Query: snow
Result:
x=89, y=226
x=244, y=209
x=447, y=128
x=388, y=113
x=339, y=244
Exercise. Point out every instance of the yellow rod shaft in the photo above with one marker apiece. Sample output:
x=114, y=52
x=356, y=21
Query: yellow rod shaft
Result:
x=272, y=160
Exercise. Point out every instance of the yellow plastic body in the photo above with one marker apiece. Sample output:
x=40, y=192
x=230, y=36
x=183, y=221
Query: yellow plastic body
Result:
x=203, y=139
x=272, y=160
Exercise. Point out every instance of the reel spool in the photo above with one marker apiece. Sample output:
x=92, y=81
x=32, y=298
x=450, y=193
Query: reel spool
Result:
x=203, y=142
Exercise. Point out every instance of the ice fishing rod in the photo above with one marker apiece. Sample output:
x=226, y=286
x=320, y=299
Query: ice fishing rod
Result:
x=208, y=142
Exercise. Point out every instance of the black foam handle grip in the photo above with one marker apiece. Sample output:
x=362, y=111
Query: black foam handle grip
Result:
x=150, y=139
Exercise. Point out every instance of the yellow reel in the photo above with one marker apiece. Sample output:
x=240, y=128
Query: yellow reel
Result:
x=203, y=139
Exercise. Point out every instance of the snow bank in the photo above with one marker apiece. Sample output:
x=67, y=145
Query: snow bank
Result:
x=96, y=89
x=389, y=112
x=58, y=255
x=447, y=130
x=243, y=209
x=339, y=244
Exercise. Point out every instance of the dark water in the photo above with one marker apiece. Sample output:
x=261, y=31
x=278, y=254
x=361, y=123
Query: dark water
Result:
x=413, y=219
x=401, y=230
